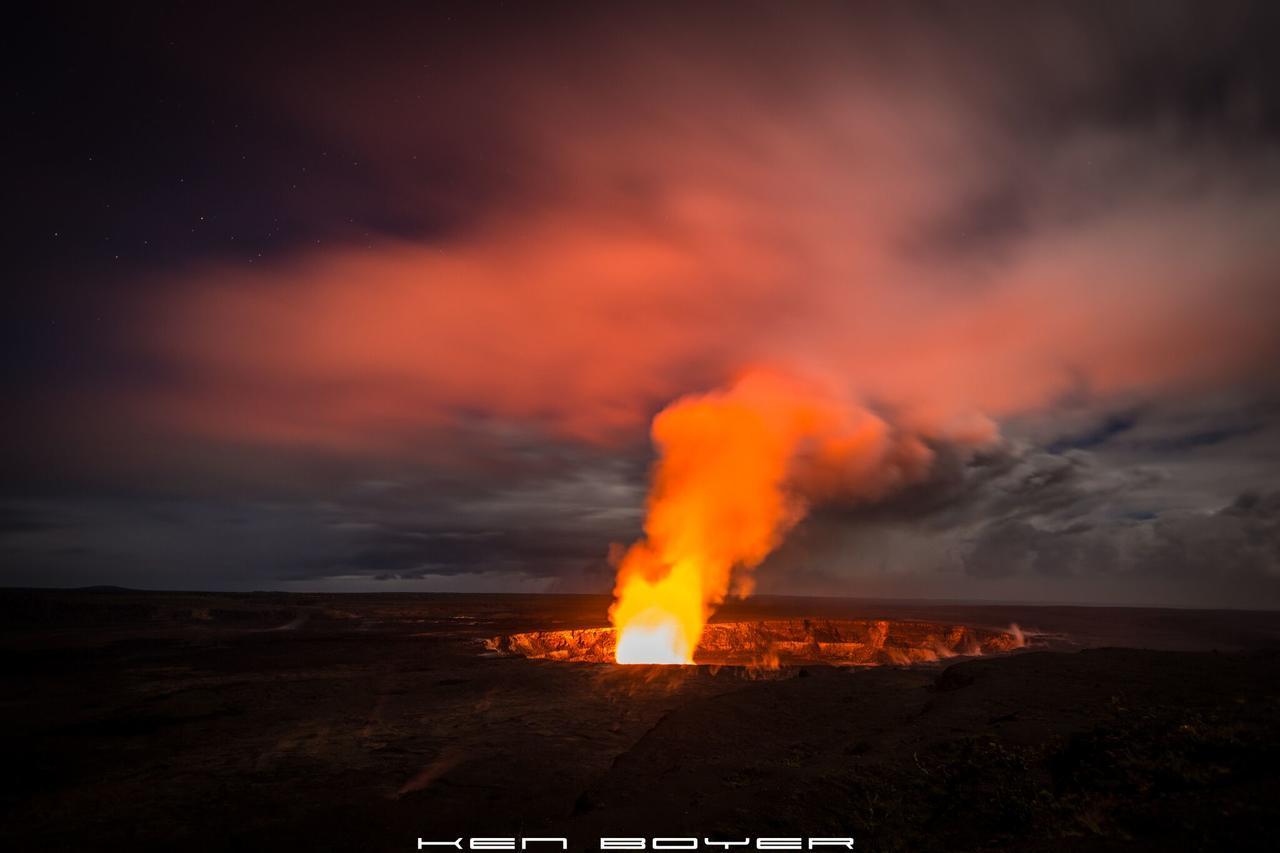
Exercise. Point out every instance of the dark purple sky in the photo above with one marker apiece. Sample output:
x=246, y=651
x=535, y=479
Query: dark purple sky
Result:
x=384, y=298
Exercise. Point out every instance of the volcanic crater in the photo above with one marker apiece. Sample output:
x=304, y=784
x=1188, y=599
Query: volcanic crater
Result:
x=780, y=642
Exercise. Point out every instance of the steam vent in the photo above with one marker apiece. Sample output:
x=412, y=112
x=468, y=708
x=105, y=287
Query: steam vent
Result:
x=848, y=642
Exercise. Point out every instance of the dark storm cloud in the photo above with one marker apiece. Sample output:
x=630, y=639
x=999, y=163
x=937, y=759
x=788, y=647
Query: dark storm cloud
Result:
x=524, y=529
x=1010, y=481
x=391, y=293
x=1127, y=523
x=1193, y=440
x=1006, y=548
x=1237, y=545
x=388, y=554
x=1112, y=426
x=1241, y=539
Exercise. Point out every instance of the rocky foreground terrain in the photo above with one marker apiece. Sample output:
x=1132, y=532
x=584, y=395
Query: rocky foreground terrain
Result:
x=188, y=721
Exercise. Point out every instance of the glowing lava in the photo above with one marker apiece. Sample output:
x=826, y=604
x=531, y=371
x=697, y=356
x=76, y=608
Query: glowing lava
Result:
x=771, y=643
x=734, y=473
x=659, y=620
x=663, y=642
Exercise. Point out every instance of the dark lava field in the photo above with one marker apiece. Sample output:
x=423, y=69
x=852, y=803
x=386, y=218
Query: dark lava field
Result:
x=269, y=721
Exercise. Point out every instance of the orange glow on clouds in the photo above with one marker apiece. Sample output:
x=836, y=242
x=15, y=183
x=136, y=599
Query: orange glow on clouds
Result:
x=678, y=234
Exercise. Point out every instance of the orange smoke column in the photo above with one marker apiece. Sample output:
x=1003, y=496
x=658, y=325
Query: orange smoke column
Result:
x=736, y=471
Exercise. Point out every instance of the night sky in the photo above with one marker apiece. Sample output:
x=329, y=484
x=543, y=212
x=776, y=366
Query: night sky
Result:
x=385, y=298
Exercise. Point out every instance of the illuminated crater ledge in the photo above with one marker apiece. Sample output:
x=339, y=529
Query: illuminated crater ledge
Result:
x=847, y=642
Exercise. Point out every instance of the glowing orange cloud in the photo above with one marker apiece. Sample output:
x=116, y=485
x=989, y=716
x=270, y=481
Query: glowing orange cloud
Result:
x=674, y=224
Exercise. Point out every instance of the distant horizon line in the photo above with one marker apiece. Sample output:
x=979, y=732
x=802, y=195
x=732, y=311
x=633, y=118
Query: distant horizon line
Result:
x=109, y=588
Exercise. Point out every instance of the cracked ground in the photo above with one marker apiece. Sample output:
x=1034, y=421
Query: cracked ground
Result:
x=164, y=721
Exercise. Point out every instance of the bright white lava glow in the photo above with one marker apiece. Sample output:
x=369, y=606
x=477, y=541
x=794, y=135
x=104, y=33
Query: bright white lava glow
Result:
x=660, y=643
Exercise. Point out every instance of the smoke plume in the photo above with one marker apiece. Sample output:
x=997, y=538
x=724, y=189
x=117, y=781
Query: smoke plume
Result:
x=736, y=470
